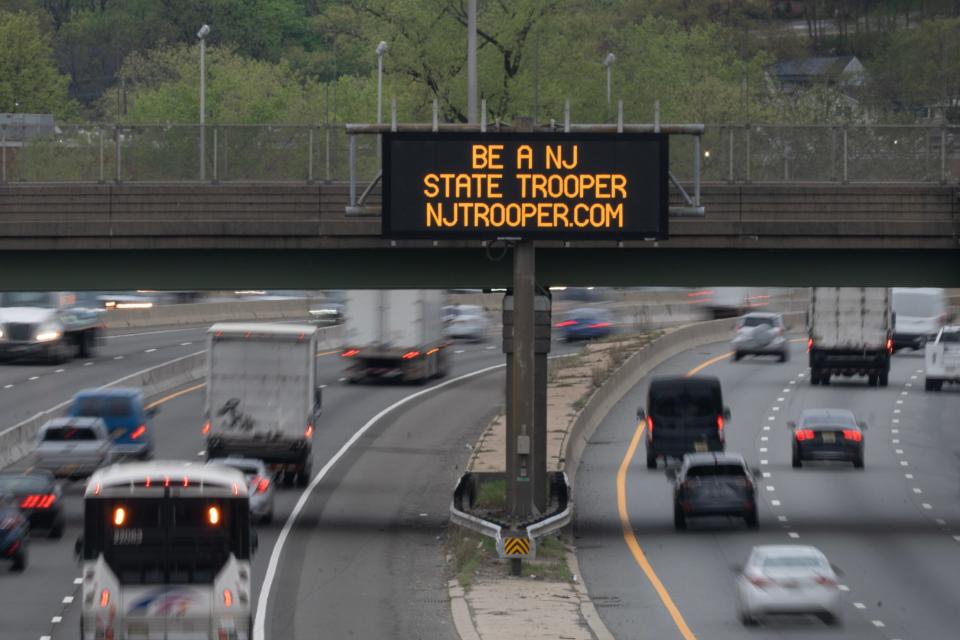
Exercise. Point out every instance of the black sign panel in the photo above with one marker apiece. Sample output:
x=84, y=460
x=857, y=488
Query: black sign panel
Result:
x=549, y=186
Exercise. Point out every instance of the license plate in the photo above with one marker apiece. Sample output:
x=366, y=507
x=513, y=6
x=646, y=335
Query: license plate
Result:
x=828, y=436
x=700, y=447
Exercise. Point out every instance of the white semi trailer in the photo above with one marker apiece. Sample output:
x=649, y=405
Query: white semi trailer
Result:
x=394, y=335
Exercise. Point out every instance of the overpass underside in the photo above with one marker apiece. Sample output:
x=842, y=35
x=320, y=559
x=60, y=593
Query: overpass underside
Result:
x=175, y=236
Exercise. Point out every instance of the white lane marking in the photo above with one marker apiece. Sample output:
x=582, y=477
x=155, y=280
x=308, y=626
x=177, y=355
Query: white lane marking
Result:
x=770, y=487
x=782, y=518
x=941, y=522
x=151, y=333
x=118, y=357
x=899, y=401
x=185, y=344
x=909, y=384
x=917, y=490
x=766, y=427
x=763, y=462
x=458, y=351
x=490, y=348
x=59, y=370
x=793, y=382
x=259, y=624
x=904, y=463
x=793, y=534
x=843, y=587
x=899, y=452
x=67, y=599
x=895, y=430
x=903, y=393
x=775, y=503
x=88, y=364
x=8, y=386
x=786, y=390
x=908, y=476
x=957, y=538
x=56, y=620
x=859, y=605
x=771, y=418
x=78, y=581
x=776, y=408
x=201, y=453
x=878, y=623
x=32, y=378
x=896, y=410
x=919, y=370
x=150, y=350
x=781, y=399
x=764, y=438
x=895, y=440
x=44, y=637
x=800, y=375
x=927, y=506
x=763, y=449
x=913, y=377
x=341, y=379
x=767, y=474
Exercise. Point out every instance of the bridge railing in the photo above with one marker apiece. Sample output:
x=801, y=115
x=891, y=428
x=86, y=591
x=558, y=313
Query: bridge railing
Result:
x=304, y=153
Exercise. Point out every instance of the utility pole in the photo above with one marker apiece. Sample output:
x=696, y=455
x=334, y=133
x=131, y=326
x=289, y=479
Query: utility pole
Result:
x=472, y=61
x=202, y=35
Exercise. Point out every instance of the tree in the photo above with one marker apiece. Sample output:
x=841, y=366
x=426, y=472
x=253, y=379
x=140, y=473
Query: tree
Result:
x=29, y=81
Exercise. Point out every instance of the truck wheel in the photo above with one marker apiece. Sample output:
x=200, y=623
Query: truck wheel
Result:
x=679, y=521
x=825, y=379
x=932, y=384
x=287, y=478
x=872, y=380
x=20, y=560
x=814, y=378
x=737, y=355
x=784, y=355
x=884, y=379
x=303, y=475
x=751, y=518
x=88, y=344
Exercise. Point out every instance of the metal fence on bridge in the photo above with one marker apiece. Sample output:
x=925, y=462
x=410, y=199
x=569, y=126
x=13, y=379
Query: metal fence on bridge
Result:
x=303, y=153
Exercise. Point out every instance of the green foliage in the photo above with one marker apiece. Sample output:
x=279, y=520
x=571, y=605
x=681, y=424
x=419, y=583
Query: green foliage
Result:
x=29, y=81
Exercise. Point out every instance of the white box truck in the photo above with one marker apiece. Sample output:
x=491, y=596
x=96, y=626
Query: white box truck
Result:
x=942, y=356
x=850, y=333
x=394, y=335
x=262, y=400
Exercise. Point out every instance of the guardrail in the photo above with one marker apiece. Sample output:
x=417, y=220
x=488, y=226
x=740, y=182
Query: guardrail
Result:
x=281, y=153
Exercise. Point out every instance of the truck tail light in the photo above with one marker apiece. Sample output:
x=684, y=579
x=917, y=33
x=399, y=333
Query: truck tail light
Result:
x=809, y=344
x=650, y=424
x=349, y=353
x=889, y=345
x=410, y=355
x=308, y=432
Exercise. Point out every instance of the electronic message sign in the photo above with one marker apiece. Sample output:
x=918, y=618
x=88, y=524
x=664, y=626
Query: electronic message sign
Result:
x=548, y=186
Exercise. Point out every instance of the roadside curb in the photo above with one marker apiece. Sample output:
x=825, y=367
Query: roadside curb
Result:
x=462, y=618
x=588, y=611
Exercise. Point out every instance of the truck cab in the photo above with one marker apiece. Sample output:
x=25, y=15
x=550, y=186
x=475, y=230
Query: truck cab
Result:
x=51, y=325
x=942, y=356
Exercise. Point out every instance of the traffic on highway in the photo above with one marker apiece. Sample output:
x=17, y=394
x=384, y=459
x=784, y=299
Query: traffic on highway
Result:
x=797, y=479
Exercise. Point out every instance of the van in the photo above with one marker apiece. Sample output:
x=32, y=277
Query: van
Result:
x=122, y=410
x=684, y=415
x=918, y=314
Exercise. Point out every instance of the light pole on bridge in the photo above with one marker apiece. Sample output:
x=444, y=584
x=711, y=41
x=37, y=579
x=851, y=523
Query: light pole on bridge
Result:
x=202, y=36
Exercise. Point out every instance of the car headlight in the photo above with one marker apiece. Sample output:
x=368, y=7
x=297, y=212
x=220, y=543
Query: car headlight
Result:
x=48, y=333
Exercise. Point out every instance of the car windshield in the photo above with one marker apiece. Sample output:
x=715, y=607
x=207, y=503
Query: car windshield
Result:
x=73, y=434
x=27, y=299
x=917, y=305
x=828, y=420
x=20, y=484
x=95, y=407
x=792, y=562
x=713, y=470
x=757, y=321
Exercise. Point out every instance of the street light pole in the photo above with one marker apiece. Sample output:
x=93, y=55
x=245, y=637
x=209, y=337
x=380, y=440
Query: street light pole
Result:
x=202, y=35
x=608, y=63
x=381, y=49
x=472, y=61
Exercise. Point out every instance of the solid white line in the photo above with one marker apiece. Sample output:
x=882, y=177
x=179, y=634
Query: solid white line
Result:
x=259, y=624
x=185, y=344
x=151, y=333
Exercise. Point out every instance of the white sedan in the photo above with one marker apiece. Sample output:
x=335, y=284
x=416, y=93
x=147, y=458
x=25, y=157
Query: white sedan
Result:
x=787, y=579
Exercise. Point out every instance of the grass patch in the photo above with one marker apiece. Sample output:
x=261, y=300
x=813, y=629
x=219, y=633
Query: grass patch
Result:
x=468, y=551
x=491, y=495
x=551, y=562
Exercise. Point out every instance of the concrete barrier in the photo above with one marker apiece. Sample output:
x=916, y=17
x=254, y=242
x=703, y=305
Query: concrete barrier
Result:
x=639, y=365
x=209, y=312
x=18, y=441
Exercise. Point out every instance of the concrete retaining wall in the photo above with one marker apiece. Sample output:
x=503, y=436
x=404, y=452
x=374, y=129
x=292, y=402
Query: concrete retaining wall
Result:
x=635, y=369
x=209, y=312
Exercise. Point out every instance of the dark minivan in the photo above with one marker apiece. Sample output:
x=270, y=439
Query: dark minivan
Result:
x=684, y=415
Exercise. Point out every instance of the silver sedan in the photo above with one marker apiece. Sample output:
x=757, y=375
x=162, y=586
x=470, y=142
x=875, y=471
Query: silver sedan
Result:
x=787, y=579
x=259, y=485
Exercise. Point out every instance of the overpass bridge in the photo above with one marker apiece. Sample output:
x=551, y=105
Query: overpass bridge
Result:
x=784, y=205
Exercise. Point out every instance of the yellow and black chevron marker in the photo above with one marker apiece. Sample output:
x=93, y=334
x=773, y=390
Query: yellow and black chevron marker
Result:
x=516, y=547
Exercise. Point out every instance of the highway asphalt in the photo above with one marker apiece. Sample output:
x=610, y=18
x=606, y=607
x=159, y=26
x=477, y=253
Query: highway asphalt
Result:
x=363, y=559
x=892, y=528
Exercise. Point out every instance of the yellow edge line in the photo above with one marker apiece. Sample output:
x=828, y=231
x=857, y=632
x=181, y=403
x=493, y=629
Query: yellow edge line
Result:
x=630, y=537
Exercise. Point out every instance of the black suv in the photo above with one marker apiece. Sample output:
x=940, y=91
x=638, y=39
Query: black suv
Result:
x=714, y=484
x=684, y=415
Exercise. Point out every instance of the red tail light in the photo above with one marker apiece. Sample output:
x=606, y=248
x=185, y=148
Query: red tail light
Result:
x=599, y=325
x=308, y=432
x=805, y=434
x=650, y=424
x=349, y=353
x=809, y=344
x=260, y=484
x=410, y=355
x=720, y=423
x=104, y=598
x=852, y=434
x=139, y=431
x=206, y=427
x=38, y=501
x=889, y=345
x=565, y=323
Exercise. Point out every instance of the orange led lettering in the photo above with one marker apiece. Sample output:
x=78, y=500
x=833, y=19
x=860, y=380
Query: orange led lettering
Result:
x=486, y=156
x=431, y=189
x=555, y=157
x=524, y=157
x=434, y=214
